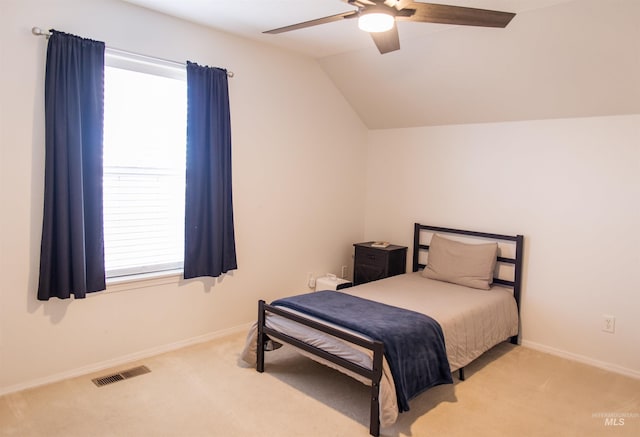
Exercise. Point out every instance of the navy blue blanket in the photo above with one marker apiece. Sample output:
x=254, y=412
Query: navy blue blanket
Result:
x=413, y=343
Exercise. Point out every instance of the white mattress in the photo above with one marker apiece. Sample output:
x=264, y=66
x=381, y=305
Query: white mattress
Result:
x=472, y=321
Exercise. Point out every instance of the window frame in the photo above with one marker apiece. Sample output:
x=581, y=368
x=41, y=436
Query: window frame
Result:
x=157, y=67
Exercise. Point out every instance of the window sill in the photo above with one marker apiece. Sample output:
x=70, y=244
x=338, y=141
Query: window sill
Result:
x=145, y=280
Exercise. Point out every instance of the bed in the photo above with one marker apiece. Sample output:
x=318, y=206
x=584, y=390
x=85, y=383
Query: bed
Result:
x=471, y=316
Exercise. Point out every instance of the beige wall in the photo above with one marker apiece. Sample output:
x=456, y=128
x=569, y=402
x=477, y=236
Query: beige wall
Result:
x=572, y=187
x=298, y=173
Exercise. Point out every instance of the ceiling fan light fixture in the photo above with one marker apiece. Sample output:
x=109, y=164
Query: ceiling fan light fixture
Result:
x=376, y=22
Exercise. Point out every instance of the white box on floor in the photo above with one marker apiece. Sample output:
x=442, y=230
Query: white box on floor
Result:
x=331, y=282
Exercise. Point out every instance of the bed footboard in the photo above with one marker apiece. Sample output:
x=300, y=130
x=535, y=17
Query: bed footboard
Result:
x=374, y=374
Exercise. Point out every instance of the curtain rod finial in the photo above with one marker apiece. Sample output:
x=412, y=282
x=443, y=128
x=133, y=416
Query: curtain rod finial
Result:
x=39, y=32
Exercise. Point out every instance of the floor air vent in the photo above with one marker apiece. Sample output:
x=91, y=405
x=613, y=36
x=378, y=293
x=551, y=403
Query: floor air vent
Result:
x=125, y=374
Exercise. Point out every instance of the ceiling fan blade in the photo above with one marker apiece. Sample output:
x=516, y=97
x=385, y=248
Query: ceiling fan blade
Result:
x=388, y=41
x=360, y=3
x=443, y=14
x=329, y=19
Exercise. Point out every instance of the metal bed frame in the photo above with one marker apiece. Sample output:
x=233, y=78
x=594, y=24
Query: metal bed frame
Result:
x=376, y=347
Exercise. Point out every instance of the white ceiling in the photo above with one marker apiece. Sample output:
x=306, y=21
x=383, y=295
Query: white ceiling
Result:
x=249, y=18
x=548, y=63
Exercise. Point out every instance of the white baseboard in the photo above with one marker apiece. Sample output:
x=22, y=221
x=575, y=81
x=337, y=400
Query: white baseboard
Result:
x=124, y=359
x=582, y=359
x=244, y=328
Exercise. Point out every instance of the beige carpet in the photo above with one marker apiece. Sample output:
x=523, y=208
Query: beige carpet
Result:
x=202, y=391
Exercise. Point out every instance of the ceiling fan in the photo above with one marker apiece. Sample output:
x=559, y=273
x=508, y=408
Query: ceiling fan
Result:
x=378, y=17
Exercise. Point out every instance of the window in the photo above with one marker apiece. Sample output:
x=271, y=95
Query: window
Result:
x=145, y=116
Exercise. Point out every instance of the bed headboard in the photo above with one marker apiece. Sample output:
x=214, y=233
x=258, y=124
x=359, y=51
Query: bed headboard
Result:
x=515, y=260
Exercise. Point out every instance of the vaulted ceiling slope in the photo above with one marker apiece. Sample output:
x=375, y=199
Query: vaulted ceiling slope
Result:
x=556, y=59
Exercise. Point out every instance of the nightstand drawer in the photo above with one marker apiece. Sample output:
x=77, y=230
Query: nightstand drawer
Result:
x=364, y=273
x=370, y=257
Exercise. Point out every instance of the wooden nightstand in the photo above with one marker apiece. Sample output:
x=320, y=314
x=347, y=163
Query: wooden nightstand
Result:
x=373, y=263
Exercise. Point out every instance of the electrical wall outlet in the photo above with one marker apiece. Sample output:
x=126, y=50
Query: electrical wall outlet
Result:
x=343, y=274
x=608, y=323
x=311, y=281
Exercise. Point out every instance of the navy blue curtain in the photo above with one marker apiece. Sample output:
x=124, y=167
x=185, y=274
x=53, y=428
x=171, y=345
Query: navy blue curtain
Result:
x=209, y=247
x=72, y=249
